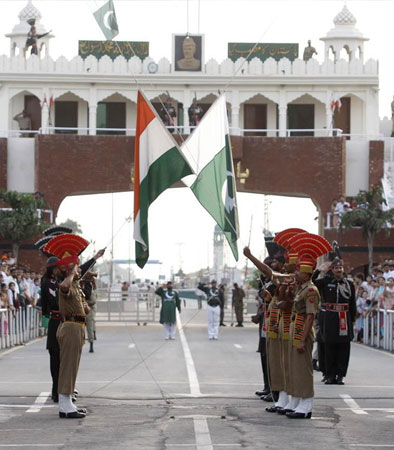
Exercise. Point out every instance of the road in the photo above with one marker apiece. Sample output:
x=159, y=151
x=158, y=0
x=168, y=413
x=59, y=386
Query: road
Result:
x=143, y=392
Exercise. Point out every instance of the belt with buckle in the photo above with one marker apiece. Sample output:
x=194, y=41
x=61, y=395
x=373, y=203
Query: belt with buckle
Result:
x=55, y=315
x=337, y=307
x=79, y=319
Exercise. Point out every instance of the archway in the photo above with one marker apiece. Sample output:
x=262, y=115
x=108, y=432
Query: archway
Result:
x=192, y=230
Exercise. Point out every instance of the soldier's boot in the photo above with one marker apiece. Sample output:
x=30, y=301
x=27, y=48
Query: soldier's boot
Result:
x=91, y=348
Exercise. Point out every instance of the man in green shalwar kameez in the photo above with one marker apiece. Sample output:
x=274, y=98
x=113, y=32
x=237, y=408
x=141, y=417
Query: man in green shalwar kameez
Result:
x=169, y=302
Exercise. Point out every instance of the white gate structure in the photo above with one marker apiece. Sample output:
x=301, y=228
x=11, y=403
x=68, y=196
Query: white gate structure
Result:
x=115, y=305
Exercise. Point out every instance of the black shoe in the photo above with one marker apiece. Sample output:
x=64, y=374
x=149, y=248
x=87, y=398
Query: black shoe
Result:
x=324, y=379
x=72, y=415
x=91, y=348
x=268, y=398
x=330, y=380
x=298, y=415
x=82, y=410
x=55, y=398
x=265, y=391
x=239, y=324
x=223, y=325
x=284, y=411
x=340, y=381
x=315, y=365
x=273, y=409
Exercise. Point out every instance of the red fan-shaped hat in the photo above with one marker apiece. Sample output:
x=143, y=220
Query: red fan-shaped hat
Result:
x=309, y=247
x=283, y=237
x=66, y=247
x=311, y=244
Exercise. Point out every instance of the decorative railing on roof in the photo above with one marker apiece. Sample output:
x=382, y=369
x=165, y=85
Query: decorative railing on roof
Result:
x=254, y=68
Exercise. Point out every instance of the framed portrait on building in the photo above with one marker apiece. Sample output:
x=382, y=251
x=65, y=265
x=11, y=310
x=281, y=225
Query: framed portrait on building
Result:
x=188, y=51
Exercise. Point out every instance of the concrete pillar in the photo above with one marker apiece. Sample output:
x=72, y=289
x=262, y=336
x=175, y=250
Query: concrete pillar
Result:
x=329, y=117
x=45, y=117
x=282, y=113
x=92, y=119
x=235, y=125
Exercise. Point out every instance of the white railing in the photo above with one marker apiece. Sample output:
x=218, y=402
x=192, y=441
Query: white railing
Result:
x=105, y=66
x=19, y=326
x=124, y=306
x=378, y=329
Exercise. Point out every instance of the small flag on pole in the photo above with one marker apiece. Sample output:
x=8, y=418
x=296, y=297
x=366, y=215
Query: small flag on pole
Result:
x=158, y=164
x=106, y=18
x=214, y=181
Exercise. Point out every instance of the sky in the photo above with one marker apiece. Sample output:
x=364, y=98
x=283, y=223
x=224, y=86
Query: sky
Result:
x=181, y=231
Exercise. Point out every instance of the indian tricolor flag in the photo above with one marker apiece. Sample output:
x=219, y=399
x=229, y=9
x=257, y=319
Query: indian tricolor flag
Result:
x=158, y=164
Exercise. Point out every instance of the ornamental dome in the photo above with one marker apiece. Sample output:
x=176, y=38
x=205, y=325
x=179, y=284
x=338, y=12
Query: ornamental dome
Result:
x=345, y=17
x=29, y=12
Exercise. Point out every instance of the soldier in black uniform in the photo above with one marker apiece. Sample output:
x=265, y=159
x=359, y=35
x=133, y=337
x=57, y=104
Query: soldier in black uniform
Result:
x=336, y=318
x=50, y=307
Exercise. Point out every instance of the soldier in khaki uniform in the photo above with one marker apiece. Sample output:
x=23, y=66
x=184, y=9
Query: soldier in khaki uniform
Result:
x=305, y=307
x=73, y=308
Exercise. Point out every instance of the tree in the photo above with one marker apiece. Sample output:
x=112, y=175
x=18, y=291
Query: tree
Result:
x=371, y=216
x=23, y=219
x=75, y=226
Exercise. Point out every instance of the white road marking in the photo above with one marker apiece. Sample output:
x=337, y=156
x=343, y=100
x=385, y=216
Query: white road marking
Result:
x=237, y=346
x=39, y=403
x=131, y=346
x=201, y=429
x=371, y=445
x=25, y=406
x=354, y=406
x=32, y=445
x=191, y=370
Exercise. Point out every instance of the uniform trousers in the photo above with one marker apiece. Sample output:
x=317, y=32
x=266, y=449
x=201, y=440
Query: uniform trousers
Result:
x=213, y=321
x=54, y=365
x=71, y=337
x=239, y=311
x=169, y=330
x=337, y=358
x=264, y=364
x=91, y=323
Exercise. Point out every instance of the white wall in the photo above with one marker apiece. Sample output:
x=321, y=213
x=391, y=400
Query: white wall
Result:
x=357, y=166
x=357, y=124
x=20, y=165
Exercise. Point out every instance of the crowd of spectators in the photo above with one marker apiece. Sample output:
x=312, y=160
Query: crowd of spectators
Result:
x=373, y=292
x=339, y=207
x=20, y=287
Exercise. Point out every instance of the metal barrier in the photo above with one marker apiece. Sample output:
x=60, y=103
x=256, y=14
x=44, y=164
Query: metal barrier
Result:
x=121, y=306
x=19, y=327
x=378, y=329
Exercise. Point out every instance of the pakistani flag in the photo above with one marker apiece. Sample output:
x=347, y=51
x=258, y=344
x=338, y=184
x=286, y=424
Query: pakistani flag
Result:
x=158, y=164
x=211, y=160
x=106, y=18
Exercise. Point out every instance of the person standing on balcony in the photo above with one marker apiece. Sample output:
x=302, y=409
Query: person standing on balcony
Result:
x=24, y=122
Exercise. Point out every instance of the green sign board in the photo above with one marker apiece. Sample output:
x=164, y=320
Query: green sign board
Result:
x=262, y=51
x=113, y=49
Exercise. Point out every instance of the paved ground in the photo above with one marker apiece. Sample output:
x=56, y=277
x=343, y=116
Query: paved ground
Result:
x=142, y=392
